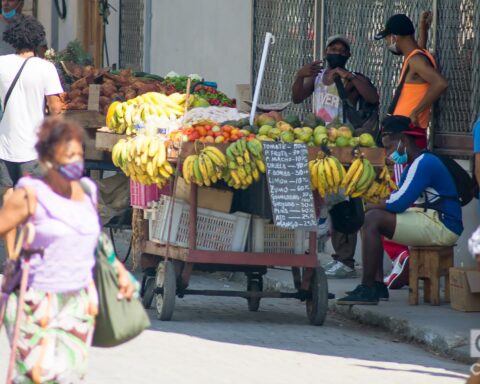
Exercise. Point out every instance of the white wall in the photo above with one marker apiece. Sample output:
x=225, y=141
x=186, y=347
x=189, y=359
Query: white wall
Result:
x=210, y=37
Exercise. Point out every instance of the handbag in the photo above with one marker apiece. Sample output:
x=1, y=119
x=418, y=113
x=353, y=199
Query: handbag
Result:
x=118, y=321
x=10, y=89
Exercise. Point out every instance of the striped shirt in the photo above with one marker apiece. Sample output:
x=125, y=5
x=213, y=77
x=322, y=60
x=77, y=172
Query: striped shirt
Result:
x=427, y=182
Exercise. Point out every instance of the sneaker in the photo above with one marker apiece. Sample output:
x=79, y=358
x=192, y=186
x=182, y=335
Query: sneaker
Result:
x=340, y=271
x=362, y=295
x=382, y=291
x=329, y=265
x=398, y=278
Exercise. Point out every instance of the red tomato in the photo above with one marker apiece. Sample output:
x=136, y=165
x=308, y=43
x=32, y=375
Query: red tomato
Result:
x=227, y=128
x=202, y=131
x=226, y=135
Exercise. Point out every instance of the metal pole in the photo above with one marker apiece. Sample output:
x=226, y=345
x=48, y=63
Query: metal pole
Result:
x=434, y=121
x=319, y=23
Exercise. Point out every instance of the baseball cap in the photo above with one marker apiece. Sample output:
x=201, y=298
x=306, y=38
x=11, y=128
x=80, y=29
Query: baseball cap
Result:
x=339, y=38
x=399, y=124
x=399, y=25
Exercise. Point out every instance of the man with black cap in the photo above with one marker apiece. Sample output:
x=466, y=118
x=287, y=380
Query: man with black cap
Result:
x=420, y=85
x=362, y=97
x=434, y=220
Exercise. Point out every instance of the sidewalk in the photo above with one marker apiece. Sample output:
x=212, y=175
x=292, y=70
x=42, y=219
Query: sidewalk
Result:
x=440, y=328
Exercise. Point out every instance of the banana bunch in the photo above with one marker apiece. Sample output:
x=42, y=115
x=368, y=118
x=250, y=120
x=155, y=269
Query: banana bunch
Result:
x=326, y=174
x=206, y=168
x=123, y=117
x=381, y=188
x=143, y=159
x=359, y=177
x=245, y=163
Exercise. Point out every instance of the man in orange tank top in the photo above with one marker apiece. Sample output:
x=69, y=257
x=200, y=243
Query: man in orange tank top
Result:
x=421, y=87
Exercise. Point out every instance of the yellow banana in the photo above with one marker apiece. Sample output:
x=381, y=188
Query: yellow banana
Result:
x=216, y=155
x=204, y=172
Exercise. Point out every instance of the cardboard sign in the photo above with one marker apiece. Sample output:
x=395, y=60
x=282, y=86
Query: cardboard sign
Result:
x=289, y=185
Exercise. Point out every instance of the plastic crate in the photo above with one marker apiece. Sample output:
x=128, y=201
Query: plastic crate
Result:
x=216, y=231
x=142, y=195
x=269, y=238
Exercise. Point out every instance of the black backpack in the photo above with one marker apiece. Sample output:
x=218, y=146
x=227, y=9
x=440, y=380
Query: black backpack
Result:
x=463, y=181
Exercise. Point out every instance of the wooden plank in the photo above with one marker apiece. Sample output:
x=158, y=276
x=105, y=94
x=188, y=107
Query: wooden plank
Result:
x=345, y=155
x=375, y=155
x=87, y=119
x=176, y=253
x=252, y=258
x=105, y=140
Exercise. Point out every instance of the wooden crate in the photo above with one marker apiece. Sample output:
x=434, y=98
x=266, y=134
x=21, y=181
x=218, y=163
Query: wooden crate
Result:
x=105, y=139
x=87, y=119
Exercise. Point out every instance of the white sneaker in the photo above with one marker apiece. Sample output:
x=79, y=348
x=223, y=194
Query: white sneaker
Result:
x=329, y=265
x=340, y=271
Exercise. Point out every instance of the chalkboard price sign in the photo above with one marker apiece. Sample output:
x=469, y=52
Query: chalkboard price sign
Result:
x=289, y=185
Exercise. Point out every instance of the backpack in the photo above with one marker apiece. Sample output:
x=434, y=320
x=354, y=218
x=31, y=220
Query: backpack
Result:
x=463, y=181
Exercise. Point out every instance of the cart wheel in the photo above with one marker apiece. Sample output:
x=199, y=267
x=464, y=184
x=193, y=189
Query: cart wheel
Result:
x=166, y=280
x=254, y=286
x=148, y=292
x=317, y=304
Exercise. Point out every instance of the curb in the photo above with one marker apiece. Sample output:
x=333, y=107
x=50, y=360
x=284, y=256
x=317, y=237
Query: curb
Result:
x=456, y=348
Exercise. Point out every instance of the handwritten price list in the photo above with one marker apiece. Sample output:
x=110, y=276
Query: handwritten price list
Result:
x=289, y=185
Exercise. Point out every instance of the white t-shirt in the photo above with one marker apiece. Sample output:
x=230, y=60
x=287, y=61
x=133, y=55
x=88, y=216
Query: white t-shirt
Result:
x=25, y=107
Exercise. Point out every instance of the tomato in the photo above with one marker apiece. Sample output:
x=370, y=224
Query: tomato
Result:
x=208, y=127
x=227, y=128
x=235, y=131
x=202, y=131
x=233, y=137
x=226, y=135
x=194, y=136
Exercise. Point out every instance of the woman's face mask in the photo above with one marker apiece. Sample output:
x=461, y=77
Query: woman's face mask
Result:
x=398, y=158
x=72, y=171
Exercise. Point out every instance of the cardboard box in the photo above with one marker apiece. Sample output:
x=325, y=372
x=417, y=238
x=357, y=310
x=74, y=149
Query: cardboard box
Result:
x=209, y=198
x=465, y=289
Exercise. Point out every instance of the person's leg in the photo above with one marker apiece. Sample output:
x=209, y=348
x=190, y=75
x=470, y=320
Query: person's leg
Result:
x=378, y=223
x=344, y=246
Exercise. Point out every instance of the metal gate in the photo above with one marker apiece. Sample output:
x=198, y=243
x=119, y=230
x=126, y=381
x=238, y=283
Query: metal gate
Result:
x=457, y=49
x=131, y=34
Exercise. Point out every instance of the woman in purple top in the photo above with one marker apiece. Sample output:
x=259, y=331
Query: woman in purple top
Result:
x=61, y=301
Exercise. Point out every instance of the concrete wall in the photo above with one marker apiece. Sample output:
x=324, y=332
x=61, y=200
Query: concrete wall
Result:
x=210, y=37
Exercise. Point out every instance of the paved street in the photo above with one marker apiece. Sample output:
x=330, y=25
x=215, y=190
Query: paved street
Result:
x=216, y=340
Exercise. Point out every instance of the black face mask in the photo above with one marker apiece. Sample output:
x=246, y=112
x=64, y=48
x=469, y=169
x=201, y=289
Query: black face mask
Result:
x=335, y=60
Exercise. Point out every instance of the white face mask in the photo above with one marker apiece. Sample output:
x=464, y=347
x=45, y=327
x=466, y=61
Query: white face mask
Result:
x=393, y=48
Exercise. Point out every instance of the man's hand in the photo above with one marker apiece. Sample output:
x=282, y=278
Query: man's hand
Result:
x=310, y=70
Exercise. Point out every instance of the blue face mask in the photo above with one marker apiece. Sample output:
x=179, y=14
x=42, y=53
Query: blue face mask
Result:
x=397, y=158
x=9, y=15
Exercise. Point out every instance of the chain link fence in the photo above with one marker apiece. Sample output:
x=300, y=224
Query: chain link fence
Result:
x=292, y=24
x=131, y=34
x=457, y=49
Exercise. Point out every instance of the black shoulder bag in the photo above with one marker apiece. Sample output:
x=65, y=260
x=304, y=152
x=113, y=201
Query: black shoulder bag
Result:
x=14, y=82
x=365, y=120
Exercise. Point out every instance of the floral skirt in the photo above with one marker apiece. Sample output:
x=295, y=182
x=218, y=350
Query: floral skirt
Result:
x=56, y=332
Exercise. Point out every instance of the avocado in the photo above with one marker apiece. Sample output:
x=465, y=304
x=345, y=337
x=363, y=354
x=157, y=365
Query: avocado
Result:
x=310, y=121
x=293, y=120
x=232, y=123
x=248, y=128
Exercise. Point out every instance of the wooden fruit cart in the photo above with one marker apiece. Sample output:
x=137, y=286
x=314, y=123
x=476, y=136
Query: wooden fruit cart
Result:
x=172, y=276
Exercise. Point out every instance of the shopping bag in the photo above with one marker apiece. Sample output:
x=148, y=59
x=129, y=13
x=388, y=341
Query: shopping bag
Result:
x=118, y=321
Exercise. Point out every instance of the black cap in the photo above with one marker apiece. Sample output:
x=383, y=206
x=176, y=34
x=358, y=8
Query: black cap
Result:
x=399, y=25
x=396, y=124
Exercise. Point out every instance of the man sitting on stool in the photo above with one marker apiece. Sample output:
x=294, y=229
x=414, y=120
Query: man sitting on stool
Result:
x=434, y=220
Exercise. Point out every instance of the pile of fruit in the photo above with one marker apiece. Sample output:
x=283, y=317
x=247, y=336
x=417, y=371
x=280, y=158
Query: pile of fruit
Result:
x=210, y=132
x=124, y=117
x=242, y=165
x=326, y=174
x=143, y=159
x=359, y=177
x=381, y=188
